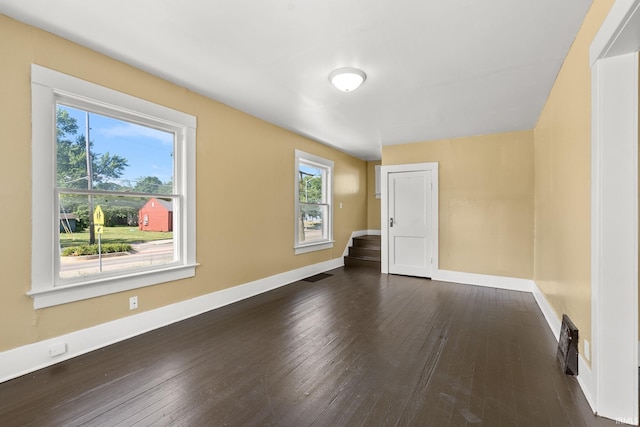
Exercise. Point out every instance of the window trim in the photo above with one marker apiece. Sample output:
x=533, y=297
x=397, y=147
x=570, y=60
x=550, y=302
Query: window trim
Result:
x=300, y=248
x=47, y=87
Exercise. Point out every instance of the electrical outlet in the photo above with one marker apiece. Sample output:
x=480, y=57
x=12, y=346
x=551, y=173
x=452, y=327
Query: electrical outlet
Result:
x=586, y=349
x=57, y=349
x=133, y=303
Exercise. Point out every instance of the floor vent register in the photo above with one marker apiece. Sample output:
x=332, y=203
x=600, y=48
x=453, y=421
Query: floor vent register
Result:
x=568, y=347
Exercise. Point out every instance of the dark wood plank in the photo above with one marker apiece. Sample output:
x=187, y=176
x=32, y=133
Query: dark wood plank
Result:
x=355, y=349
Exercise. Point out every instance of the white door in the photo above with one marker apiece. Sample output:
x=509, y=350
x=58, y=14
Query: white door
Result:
x=409, y=228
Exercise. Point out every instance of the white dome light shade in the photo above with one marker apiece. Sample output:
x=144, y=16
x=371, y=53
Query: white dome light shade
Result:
x=347, y=79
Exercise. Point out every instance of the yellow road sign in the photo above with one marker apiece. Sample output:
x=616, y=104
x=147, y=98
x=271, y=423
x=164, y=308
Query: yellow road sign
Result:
x=98, y=216
x=99, y=229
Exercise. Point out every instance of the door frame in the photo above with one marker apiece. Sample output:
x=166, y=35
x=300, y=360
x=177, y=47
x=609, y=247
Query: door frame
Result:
x=384, y=204
x=614, y=213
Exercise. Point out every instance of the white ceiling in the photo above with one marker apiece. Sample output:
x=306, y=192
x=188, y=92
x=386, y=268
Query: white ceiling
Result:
x=435, y=69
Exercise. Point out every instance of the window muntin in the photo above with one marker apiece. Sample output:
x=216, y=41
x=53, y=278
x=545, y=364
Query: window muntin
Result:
x=118, y=193
x=313, y=203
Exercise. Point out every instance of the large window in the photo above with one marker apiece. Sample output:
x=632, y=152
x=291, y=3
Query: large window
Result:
x=314, y=213
x=113, y=191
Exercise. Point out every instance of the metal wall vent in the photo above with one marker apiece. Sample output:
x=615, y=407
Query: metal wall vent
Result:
x=567, y=354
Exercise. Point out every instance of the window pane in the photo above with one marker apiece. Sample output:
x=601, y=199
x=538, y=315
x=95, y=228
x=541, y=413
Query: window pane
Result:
x=313, y=223
x=133, y=244
x=124, y=156
x=311, y=184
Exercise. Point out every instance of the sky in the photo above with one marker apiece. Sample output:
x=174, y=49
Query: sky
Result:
x=310, y=170
x=148, y=151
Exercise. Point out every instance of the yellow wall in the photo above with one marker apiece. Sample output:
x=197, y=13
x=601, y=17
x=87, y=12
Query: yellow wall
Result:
x=245, y=190
x=373, y=204
x=562, y=147
x=492, y=190
x=486, y=200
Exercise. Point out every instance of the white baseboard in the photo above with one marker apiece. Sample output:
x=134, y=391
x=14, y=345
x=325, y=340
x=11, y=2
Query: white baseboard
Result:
x=358, y=234
x=585, y=377
x=500, y=282
x=549, y=314
x=31, y=357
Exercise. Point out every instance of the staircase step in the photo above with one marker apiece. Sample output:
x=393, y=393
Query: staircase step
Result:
x=366, y=262
x=364, y=252
x=358, y=252
x=368, y=241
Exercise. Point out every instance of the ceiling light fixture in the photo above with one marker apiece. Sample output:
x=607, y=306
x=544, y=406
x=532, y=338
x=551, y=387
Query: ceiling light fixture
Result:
x=347, y=79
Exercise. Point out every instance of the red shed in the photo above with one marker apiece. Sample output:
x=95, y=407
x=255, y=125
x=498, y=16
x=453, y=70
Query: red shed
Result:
x=156, y=215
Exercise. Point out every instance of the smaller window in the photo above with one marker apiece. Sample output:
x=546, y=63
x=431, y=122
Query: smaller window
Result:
x=313, y=200
x=378, y=192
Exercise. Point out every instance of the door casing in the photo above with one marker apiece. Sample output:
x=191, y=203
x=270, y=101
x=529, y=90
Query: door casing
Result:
x=613, y=389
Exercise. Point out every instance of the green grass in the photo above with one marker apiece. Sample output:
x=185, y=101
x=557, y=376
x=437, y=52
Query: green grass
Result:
x=114, y=235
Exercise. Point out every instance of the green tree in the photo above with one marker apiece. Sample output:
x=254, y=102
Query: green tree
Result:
x=153, y=184
x=72, y=157
x=71, y=161
x=311, y=189
x=111, y=186
x=121, y=213
x=310, y=193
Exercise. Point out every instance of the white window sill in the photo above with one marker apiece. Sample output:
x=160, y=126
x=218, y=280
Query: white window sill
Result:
x=48, y=297
x=311, y=247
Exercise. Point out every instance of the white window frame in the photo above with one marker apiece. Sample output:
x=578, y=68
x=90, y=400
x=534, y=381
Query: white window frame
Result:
x=327, y=165
x=47, y=88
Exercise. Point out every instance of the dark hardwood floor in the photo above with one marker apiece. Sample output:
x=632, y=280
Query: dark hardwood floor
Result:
x=355, y=349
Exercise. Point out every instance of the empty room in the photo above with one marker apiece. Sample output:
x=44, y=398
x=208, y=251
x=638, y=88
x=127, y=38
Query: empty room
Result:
x=335, y=213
